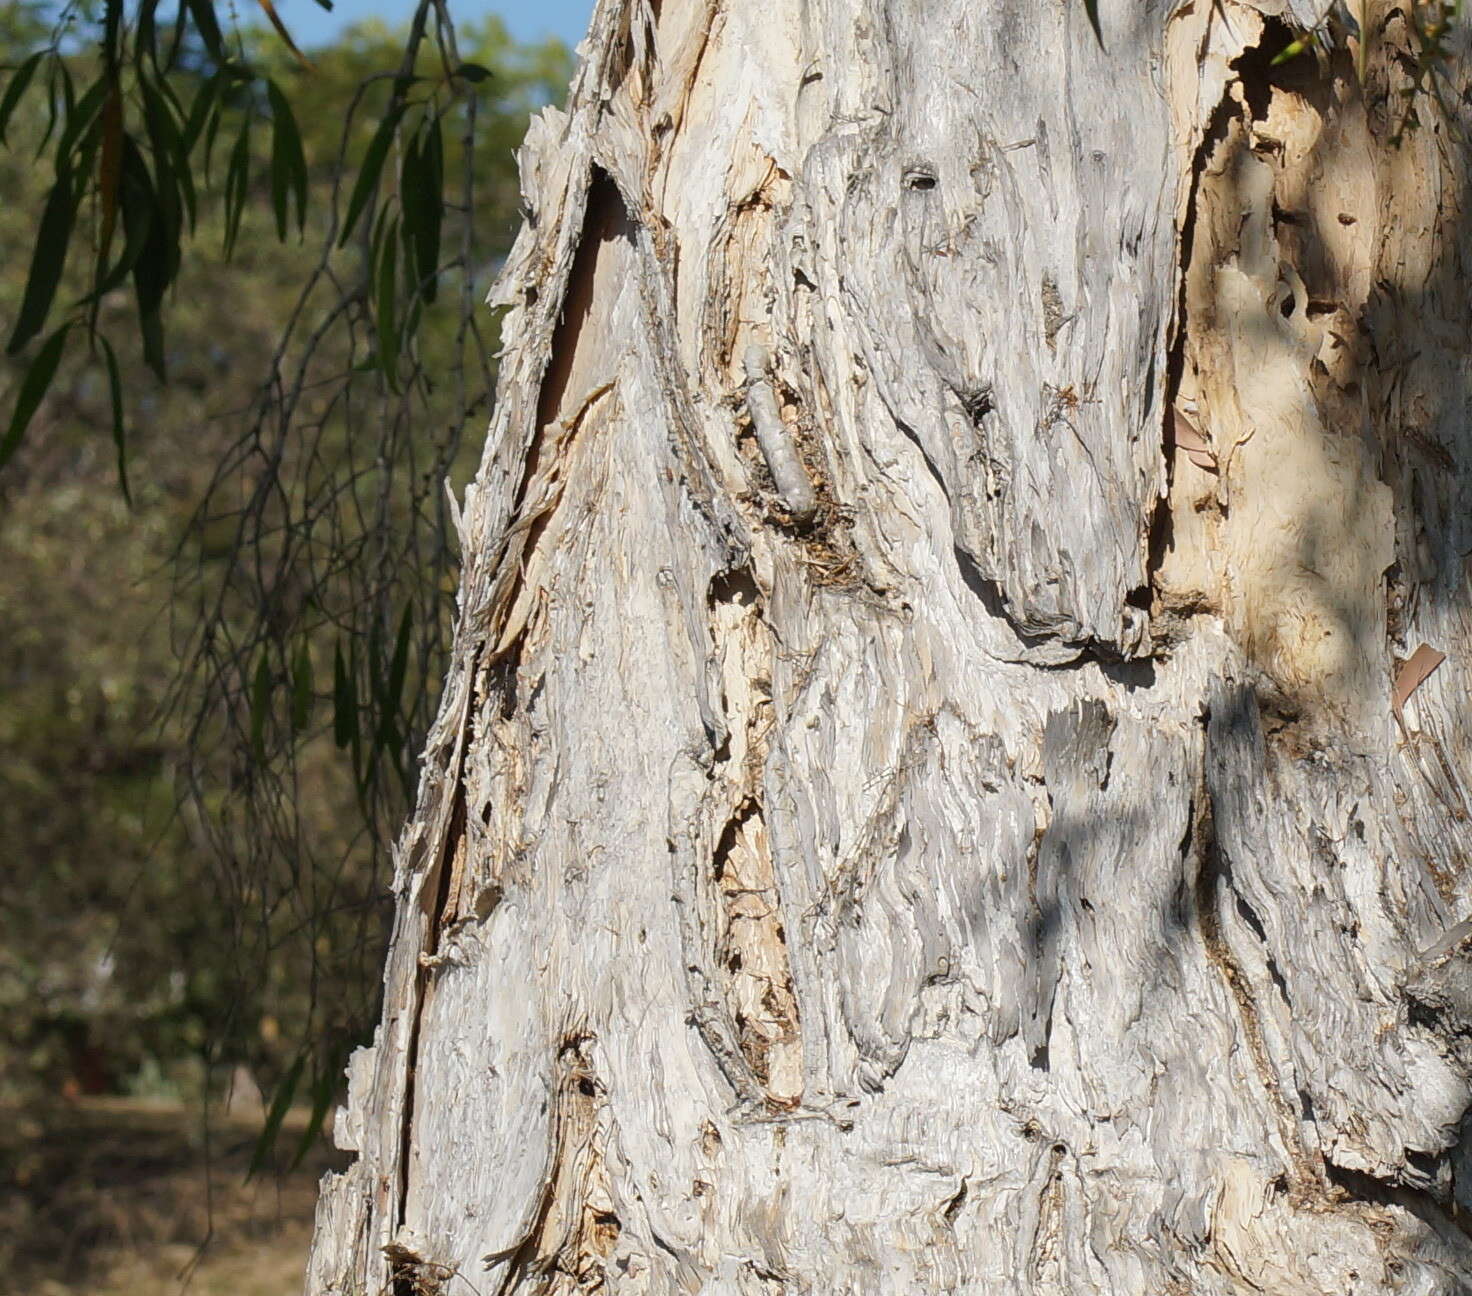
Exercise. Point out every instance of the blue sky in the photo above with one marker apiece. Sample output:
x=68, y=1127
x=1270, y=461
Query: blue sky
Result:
x=527, y=20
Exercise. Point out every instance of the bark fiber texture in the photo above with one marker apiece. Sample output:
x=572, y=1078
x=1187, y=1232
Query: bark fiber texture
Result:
x=922, y=801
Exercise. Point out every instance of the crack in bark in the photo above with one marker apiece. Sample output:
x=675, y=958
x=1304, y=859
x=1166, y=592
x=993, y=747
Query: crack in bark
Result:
x=1213, y=879
x=1441, y=1216
x=1161, y=530
x=501, y=634
x=575, y=1228
x=750, y=956
x=434, y=883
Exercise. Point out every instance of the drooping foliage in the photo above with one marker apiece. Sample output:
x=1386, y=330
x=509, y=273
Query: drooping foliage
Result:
x=242, y=290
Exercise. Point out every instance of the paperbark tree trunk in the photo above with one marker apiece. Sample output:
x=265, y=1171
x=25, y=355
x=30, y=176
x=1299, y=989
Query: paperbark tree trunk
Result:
x=928, y=796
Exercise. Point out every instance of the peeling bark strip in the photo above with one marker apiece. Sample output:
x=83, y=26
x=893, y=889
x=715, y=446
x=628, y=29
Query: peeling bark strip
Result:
x=921, y=802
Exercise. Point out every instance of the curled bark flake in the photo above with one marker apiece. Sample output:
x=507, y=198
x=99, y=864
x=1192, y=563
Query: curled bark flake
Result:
x=1414, y=672
x=779, y=447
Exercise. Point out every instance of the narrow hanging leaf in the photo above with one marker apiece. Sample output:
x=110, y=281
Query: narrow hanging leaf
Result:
x=366, y=184
x=203, y=13
x=85, y=164
x=174, y=180
x=181, y=16
x=260, y=702
x=151, y=327
x=302, y=694
x=324, y=1090
x=152, y=272
x=411, y=182
x=400, y=663
x=285, y=35
x=409, y=325
x=119, y=429
x=109, y=171
x=19, y=80
x=237, y=179
x=199, y=111
x=81, y=118
x=32, y=388
x=369, y=757
x=138, y=206
x=48, y=259
x=215, y=116
x=288, y=163
x=390, y=737
x=434, y=158
x=344, y=701
x=167, y=90
x=112, y=36
x=279, y=185
x=375, y=658
x=386, y=304
x=59, y=98
x=280, y=1105
x=146, y=40
x=421, y=196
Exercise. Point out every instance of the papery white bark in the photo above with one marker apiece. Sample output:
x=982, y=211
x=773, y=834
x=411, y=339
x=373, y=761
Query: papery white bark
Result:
x=895, y=824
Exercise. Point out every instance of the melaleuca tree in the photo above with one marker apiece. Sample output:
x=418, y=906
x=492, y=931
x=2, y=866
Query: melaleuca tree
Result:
x=952, y=775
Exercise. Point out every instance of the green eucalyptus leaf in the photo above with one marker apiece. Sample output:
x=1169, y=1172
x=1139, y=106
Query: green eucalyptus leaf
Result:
x=366, y=184
x=400, y=663
x=288, y=163
x=32, y=388
x=151, y=329
x=344, y=700
x=112, y=32
x=325, y=1085
x=58, y=86
x=119, y=428
x=146, y=39
x=422, y=198
x=386, y=303
x=156, y=263
x=138, y=205
x=260, y=705
x=302, y=693
x=173, y=181
x=237, y=184
x=19, y=80
x=48, y=260
x=82, y=118
x=208, y=27
x=280, y=1104
x=205, y=100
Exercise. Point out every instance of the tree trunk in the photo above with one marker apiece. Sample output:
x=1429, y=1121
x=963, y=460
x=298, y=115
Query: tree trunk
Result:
x=928, y=798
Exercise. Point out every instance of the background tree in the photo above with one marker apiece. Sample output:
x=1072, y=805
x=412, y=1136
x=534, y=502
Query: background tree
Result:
x=220, y=897
x=199, y=876
x=943, y=783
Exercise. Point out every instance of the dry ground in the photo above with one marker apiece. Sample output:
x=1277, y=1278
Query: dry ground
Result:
x=112, y=1198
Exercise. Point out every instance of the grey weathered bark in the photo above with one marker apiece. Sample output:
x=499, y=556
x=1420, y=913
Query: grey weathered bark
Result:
x=922, y=801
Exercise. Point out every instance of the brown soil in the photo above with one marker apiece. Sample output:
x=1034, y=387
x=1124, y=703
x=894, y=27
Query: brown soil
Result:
x=118, y=1197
